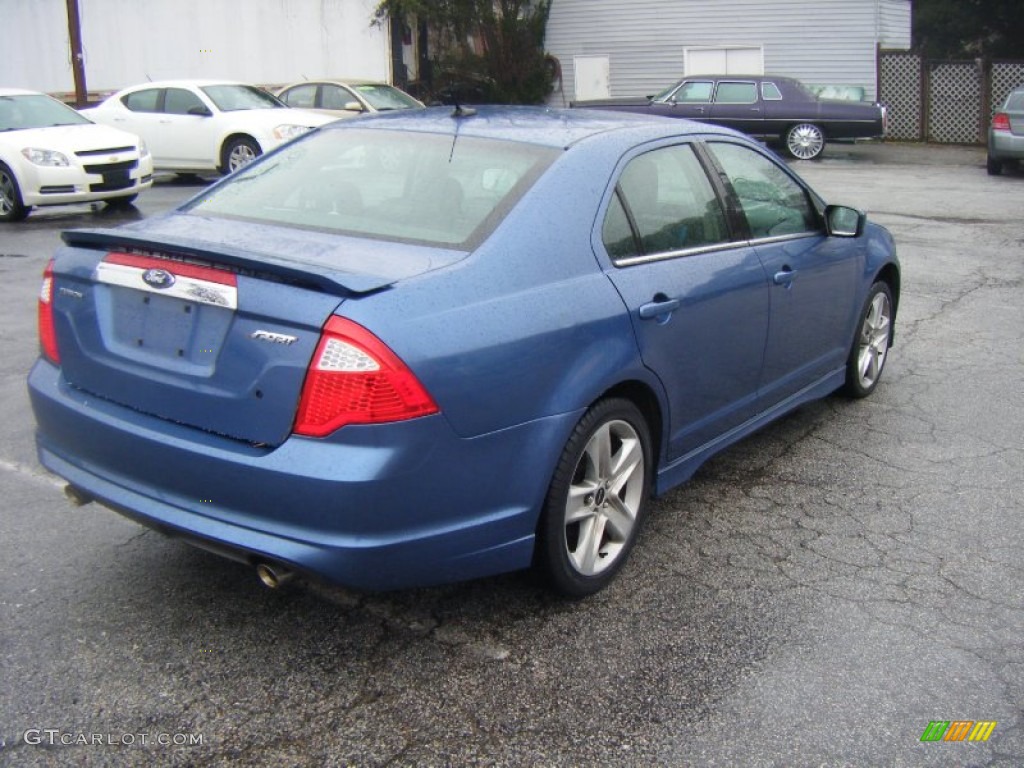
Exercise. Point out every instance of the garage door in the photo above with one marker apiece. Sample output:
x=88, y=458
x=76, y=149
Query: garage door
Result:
x=725, y=60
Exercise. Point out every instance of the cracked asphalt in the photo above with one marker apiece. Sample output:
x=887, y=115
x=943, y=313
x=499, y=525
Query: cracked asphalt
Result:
x=816, y=596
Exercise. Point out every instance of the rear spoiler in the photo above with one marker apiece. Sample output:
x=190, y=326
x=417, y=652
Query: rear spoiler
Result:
x=319, y=276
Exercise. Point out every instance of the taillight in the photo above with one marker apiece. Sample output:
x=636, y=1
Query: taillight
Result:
x=47, y=334
x=355, y=379
x=1001, y=122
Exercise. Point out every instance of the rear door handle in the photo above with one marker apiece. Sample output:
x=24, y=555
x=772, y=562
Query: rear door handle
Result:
x=658, y=308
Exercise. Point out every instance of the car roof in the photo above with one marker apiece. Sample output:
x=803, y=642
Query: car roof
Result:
x=773, y=78
x=193, y=83
x=543, y=126
x=338, y=81
x=19, y=92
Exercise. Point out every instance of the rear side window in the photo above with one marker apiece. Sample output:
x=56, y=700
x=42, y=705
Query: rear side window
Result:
x=668, y=203
x=392, y=185
x=142, y=101
x=773, y=203
x=302, y=96
x=736, y=93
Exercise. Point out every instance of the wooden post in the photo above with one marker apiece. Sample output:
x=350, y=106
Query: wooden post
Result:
x=77, y=58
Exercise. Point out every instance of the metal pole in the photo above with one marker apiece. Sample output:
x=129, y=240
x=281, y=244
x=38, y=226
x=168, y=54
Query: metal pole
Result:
x=77, y=58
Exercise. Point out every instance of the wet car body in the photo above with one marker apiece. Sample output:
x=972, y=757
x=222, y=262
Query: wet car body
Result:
x=510, y=337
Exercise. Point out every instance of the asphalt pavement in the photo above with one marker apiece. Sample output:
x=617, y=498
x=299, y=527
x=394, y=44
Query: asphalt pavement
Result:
x=816, y=596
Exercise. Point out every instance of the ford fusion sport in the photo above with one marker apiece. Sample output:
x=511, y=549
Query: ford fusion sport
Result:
x=439, y=345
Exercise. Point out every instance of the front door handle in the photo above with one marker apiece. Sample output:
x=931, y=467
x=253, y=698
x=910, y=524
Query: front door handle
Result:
x=660, y=307
x=784, y=276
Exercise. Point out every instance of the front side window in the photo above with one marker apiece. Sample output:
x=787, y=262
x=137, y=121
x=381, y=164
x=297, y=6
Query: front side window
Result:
x=392, y=185
x=773, y=203
x=336, y=97
x=736, y=93
x=694, y=92
x=770, y=92
x=178, y=101
x=669, y=204
x=143, y=101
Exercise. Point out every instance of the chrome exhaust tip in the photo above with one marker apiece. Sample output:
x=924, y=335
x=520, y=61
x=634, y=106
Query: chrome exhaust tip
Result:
x=273, y=576
x=76, y=495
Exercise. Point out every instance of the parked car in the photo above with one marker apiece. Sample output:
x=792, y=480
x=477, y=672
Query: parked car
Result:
x=1006, y=134
x=204, y=125
x=346, y=98
x=51, y=155
x=768, y=107
x=485, y=358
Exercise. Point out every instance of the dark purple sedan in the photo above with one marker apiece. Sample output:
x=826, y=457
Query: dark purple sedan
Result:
x=764, y=106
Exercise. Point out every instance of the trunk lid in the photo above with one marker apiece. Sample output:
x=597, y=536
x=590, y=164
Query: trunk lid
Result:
x=207, y=323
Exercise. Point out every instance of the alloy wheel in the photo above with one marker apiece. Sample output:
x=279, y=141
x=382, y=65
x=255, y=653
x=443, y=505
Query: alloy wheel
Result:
x=604, y=497
x=874, y=340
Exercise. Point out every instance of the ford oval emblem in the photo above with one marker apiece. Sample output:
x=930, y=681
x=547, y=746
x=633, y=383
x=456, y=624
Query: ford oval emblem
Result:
x=158, y=278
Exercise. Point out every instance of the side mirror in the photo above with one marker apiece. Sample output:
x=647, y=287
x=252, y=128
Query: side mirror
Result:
x=842, y=221
x=200, y=111
x=353, y=106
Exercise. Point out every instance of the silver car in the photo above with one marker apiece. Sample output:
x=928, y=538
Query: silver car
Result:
x=1006, y=134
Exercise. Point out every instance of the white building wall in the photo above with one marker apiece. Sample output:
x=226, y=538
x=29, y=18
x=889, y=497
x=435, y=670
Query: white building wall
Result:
x=894, y=24
x=129, y=41
x=818, y=41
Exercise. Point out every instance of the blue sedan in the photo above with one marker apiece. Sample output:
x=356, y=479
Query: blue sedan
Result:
x=422, y=348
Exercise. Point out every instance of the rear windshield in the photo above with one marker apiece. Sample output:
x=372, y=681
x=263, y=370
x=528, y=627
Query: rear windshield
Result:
x=1015, y=101
x=384, y=184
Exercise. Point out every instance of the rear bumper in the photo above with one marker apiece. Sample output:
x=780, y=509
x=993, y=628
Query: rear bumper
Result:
x=1004, y=145
x=385, y=507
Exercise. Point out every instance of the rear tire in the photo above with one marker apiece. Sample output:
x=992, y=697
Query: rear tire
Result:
x=11, y=206
x=596, y=501
x=993, y=166
x=805, y=141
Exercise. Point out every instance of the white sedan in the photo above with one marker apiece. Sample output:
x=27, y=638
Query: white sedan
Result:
x=52, y=155
x=204, y=125
x=347, y=98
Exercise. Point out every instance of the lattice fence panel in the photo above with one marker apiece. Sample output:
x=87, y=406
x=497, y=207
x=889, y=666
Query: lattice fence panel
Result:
x=955, y=96
x=1006, y=75
x=900, y=91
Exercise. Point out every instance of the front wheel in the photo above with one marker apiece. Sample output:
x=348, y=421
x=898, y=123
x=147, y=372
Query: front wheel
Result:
x=11, y=206
x=238, y=152
x=596, y=501
x=805, y=141
x=871, y=347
